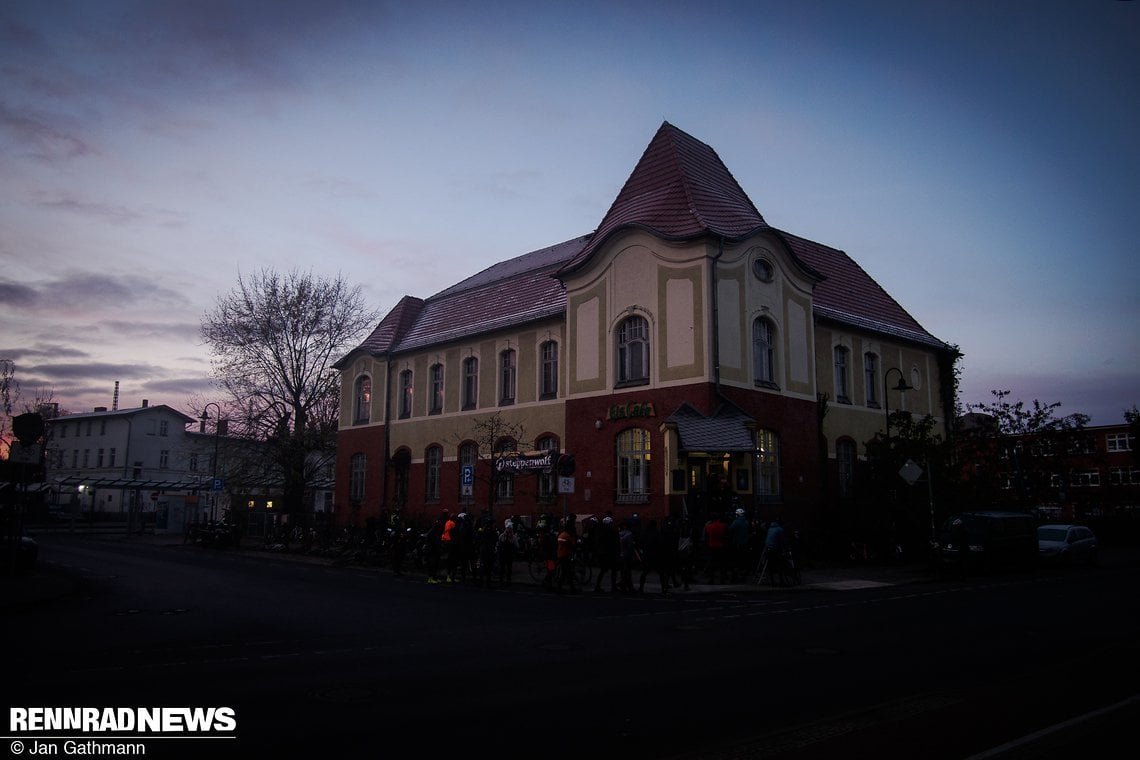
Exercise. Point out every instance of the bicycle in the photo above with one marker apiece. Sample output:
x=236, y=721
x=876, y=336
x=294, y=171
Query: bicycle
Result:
x=781, y=569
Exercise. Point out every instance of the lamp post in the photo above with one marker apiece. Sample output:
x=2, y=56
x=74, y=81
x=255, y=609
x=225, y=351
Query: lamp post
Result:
x=214, y=462
x=901, y=387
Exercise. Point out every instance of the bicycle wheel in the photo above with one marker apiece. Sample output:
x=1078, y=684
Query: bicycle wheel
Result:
x=582, y=573
x=537, y=569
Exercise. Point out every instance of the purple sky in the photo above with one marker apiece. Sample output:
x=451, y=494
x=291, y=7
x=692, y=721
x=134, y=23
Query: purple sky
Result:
x=979, y=160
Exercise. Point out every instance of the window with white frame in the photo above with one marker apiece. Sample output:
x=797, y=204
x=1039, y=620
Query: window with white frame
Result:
x=163, y=459
x=508, y=377
x=1119, y=441
x=549, y=357
x=1085, y=478
x=1124, y=476
x=767, y=465
x=433, y=465
x=407, y=393
x=633, y=465
x=871, y=378
x=362, y=411
x=763, y=353
x=436, y=388
x=505, y=481
x=470, y=382
x=842, y=392
x=356, y=477
x=633, y=351
x=546, y=481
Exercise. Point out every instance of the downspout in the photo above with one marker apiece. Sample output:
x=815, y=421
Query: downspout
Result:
x=716, y=315
x=387, y=434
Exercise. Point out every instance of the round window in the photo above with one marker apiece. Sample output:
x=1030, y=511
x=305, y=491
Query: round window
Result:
x=762, y=268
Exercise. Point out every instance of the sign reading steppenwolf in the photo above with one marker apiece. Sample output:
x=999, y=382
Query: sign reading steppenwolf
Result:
x=37, y=730
x=542, y=461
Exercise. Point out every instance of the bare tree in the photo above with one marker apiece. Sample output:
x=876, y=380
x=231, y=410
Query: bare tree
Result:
x=274, y=338
x=495, y=438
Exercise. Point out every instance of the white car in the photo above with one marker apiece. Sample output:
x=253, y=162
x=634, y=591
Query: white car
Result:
x=1066, y=544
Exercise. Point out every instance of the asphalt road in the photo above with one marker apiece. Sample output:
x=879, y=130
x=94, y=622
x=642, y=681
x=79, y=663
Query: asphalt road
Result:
x=345, y=661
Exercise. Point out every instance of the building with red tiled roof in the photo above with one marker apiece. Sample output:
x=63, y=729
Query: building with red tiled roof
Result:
x=684, y=353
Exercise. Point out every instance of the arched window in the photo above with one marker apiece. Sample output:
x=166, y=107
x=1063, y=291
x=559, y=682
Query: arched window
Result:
x=505, y=481
x=842, y=393
x=633, y=466
x=406, y=393
x=402, y=461
x=767, y=466
x=356, y=478
x=549, y=355
x=436, y=388
x=546, y=482
x=845, y=460
x=763, y=353
x=871, y=378
x=633, y=351
x=508, y=377
x=362, y=407
x=470, y=382
x=433, y=463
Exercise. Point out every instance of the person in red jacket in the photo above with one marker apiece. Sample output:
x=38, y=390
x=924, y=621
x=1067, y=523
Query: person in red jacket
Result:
x=715, y=549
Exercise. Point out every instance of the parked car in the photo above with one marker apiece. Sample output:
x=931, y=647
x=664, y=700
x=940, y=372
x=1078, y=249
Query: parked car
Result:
x=1066, y=544
x=989, y=540
x=18, y=555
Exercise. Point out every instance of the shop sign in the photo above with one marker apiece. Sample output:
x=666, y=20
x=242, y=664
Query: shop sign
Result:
x=515, y=462
x=634, y=409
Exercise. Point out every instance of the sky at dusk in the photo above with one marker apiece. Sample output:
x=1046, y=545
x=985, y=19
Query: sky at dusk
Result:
x=980, y=160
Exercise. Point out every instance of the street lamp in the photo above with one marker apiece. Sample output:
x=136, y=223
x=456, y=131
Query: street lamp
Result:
x=901, y=387
x=214, y=463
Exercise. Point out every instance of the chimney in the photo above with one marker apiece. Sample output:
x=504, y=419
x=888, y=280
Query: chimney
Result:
x=223, y=427
x=100, y=409
x=145, y=403
x=115, y=399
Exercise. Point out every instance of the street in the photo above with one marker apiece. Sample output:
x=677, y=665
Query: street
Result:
x=344, y=660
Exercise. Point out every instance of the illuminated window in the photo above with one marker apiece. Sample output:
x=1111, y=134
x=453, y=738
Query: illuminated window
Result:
x=406, y=393
x=363, y=411
x=633, y=465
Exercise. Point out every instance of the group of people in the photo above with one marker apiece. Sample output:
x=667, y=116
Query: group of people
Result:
x=625, y=552
x=470, y=549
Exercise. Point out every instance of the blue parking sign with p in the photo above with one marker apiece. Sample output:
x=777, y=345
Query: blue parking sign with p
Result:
x=468, y=475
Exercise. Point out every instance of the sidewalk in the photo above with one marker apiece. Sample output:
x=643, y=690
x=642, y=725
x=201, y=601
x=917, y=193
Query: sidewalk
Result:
x=43, y=584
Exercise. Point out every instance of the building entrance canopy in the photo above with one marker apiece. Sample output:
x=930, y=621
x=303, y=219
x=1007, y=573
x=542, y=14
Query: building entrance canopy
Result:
x=728, y=430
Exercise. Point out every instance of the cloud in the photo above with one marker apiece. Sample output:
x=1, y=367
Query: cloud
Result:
x=45, y=142
x=51, y=350
x=91, y=292
x=18, y=294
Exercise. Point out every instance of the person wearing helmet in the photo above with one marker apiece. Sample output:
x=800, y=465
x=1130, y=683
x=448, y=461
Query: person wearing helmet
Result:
x=607, y=550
